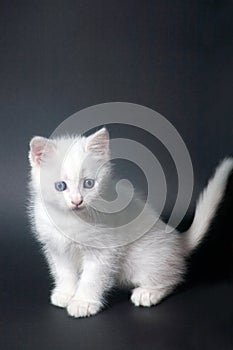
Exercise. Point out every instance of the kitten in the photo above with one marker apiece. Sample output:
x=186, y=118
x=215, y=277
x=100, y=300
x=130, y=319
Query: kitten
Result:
x=86, y=256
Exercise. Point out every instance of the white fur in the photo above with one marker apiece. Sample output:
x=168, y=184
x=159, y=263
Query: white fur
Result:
x=84, y=272
x=208, y=203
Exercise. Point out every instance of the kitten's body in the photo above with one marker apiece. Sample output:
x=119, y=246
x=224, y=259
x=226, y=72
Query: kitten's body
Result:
x=87, y=257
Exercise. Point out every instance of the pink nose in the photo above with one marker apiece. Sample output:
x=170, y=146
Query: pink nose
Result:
x=77, y=203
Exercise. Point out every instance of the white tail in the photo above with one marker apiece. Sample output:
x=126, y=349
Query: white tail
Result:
x=208, y=203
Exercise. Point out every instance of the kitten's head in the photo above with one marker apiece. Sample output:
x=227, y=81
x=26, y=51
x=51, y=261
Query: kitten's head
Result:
x=70, y=172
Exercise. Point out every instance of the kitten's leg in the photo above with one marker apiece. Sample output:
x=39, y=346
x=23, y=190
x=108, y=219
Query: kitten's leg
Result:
x=65, y=277
x=96, y=278
x=153, y=282
x=157, y=272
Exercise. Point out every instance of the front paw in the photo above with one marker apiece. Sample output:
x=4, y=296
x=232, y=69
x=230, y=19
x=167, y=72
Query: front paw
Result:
x=83, y=308
x=60, y=299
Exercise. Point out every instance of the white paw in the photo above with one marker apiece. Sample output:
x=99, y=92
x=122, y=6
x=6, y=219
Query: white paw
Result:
x=82, y=308
x=146, y=296
x=60, y=299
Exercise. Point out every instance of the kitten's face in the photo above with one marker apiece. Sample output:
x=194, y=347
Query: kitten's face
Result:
x=70, y=172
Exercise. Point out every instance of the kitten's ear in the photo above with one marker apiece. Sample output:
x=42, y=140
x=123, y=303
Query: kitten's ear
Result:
x=40, y=147
x=98, y=143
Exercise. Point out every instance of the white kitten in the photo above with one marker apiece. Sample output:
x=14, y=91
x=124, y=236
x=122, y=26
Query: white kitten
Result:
x=87, y=252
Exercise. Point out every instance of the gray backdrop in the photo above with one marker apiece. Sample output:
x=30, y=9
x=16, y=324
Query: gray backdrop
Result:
x=59, y=57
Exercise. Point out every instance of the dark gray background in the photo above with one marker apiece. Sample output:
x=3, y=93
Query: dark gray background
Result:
x=59, y=57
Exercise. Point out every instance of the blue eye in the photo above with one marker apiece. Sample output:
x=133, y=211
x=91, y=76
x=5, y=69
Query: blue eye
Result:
x=89, y=183
x=60, y=186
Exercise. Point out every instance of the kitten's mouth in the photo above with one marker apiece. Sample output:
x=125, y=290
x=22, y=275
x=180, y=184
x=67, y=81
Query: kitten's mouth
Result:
x=78, y=207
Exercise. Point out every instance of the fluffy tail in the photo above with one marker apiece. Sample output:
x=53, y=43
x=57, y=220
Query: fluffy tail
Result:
x=208, y=203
